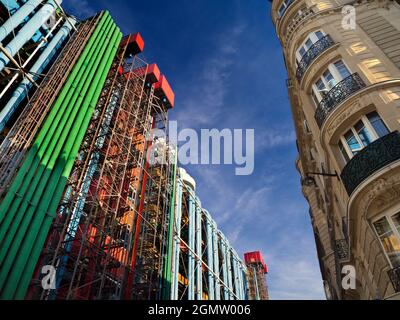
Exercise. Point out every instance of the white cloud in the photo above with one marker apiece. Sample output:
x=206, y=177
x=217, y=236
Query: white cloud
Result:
x=272, y=138
x=208, y=98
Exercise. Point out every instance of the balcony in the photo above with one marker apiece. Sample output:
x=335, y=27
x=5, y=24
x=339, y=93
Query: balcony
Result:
x=377, y=155
x=394, y=276
x=342, y=249
x=315, y=50
x=343, y=90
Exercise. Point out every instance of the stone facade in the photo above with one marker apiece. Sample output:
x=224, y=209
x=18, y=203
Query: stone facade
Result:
x=344, y=89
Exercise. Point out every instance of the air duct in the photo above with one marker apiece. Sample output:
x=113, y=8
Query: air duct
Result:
x=22, y=90
x=27, y=32
x=17, y=18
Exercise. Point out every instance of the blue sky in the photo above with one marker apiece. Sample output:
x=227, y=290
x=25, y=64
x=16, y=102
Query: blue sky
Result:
x=225, y=65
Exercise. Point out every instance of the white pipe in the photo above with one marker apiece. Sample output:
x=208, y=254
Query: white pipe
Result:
x=22, y=90
x=40, y=45
x=18, y=17
x=27, y=32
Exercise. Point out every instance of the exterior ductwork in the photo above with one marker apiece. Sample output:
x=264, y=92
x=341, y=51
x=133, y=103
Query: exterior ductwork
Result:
x=18, y=17
x=27, y=32
x=22, y=90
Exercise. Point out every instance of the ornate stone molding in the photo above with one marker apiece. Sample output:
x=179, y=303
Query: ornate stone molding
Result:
x=336, y=122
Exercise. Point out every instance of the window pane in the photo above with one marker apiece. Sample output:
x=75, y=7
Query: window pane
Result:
x=389, y=240
x=320, y=84
x=342, y=69
x=396, y=221
x=363, y=133
x=328, y=76
x=343, y=151
x=281, y=9
x=319, y=34
x=382, y=226
x=329, y=79
x=302, y=51
x=309, y=43
x=378, y=124
x=352, y=142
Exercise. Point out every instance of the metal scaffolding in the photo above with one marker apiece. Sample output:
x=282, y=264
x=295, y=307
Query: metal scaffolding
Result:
x=256, y=271
x=20, y=137
x=205, y=266
x=108, y=238
x=129, y=226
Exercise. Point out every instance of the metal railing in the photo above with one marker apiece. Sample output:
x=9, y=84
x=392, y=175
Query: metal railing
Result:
x=394, y=275
x=315, y=50
x=369, y=160
x=343, y=90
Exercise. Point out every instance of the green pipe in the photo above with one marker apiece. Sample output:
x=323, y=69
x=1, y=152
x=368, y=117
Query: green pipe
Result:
x=14, y=192
x=38, y=175
x=62, y=172
x=58, y=143
x=168, y=264
x=41, y=237
x=7, y=201
x=39, y=146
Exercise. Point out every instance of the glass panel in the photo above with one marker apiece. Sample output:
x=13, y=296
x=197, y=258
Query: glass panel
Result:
x=309, y=43
x=321, y=87
x=352, y=142
x=378, y=124
x=281, y=9
x=344, y=152
x=396, y=221
x=329, y=79
x=342, y=69
x=319, y=34
x=365, y=136
x=302, y=51
x=389, y=240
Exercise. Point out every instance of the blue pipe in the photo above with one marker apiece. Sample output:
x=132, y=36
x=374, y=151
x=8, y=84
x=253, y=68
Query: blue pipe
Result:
x=236, y=275
x=191, y=246
x=199, y=267
x=18, y=17
x=210, y=254
x=224, y=267
x=26, y=33
x=11, y=5
x=229, y=268
x=241, y=281
x=78, y=210
x=216, y=261
x=47, y=55
x=177, y=241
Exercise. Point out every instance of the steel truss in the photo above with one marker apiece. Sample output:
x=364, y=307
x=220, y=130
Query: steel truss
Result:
x=206, y=267
x=108, y=239
x=20, y=137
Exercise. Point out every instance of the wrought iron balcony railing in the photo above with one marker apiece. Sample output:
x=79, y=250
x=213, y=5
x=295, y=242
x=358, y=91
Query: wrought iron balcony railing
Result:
x=369, y=160
x=342, y=249
x=343, y=90
x=394, y=276
x=315, y=50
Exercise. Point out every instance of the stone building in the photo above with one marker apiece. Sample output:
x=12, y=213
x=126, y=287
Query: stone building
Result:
x=343, y=64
